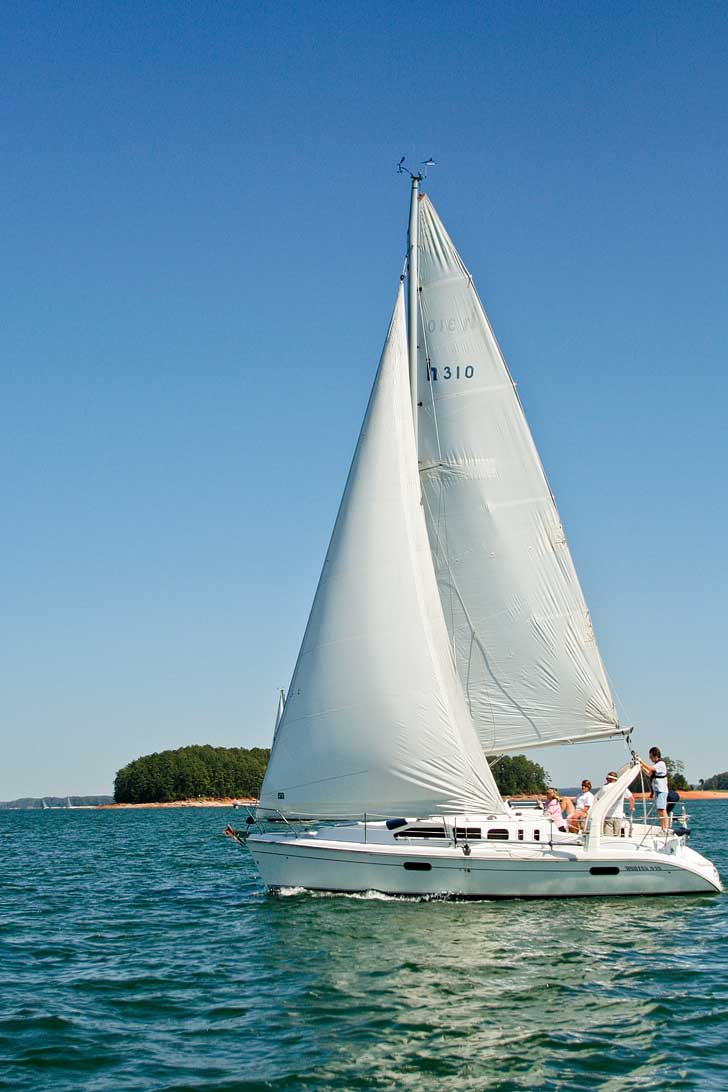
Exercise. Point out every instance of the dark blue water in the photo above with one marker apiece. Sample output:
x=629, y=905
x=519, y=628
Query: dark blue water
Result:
x=138, y=950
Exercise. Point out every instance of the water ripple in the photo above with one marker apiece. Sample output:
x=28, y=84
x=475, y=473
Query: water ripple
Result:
x=139, y=952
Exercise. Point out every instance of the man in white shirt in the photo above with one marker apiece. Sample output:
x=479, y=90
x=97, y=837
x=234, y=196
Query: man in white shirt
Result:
x=583, y=802
x=658, y=776
x=615, y=815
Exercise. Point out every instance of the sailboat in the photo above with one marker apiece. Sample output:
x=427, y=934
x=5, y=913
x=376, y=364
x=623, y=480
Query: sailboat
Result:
x=448, y=624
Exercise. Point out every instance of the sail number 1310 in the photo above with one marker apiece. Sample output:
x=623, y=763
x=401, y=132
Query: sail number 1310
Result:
x=456, y=372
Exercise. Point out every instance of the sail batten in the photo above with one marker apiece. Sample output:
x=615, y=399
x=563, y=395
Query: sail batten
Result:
x=517, y=619
x=375, y=721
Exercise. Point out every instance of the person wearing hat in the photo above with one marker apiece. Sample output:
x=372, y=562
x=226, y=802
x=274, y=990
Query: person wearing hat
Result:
x=615, y=816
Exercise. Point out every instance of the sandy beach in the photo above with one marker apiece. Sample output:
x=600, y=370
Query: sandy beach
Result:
x=700, y=794
x=196, y=802
x=229, y=801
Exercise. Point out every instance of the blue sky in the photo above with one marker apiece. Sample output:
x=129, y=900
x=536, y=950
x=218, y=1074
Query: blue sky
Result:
x=202, y=230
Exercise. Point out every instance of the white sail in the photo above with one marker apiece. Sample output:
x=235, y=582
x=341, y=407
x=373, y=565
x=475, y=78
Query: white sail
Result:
x=279, y=711
x=519, y=625
x=375, y=720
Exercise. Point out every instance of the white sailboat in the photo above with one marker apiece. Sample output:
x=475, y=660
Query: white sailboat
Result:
x=448, y=624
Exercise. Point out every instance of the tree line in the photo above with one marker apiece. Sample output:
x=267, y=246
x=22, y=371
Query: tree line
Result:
x=517, y=775
x=676, y=778
x=207, y=771
x=191, y=772
x=717, y=781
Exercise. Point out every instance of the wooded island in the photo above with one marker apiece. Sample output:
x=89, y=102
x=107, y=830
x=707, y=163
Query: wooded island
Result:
x=192, y=772
x=237, y=772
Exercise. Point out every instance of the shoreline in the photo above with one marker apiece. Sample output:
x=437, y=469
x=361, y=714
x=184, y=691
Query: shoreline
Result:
x=230, y=801
x=195, y=802
x=685, y=794
x=694, y=794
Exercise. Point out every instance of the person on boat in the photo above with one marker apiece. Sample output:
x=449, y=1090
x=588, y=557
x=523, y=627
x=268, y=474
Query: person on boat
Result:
x=673, y=798
x=583, y=802
x=552, y=808
x=657, y=772
x=615, y=816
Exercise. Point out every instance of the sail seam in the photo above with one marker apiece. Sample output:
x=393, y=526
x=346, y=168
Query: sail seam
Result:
x=442, y=513
x=504, y=517
x=445, y=695
x=474, y=639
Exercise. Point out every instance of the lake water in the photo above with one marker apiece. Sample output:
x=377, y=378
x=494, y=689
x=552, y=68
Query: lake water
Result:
x=140, y=951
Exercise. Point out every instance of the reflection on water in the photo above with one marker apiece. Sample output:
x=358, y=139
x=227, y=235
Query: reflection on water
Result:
x=140, y=952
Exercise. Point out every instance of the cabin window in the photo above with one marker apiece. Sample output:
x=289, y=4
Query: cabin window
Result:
x=520, y=834
x=417, y=866
x=420, y=832
x=498, y=834
x=468, y=832
x=604, y=870
x=537, y=835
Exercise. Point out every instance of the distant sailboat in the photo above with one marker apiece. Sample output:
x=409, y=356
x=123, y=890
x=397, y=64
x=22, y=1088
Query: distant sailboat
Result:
x=448, y=623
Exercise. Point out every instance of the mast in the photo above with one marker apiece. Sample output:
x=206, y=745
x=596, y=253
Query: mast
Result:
x=413, y=279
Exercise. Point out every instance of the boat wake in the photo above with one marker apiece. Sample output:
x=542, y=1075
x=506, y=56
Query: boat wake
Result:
x=365, y=896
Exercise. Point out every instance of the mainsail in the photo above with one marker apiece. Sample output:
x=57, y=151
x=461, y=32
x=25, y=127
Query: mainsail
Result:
x=520, y=629
x=375, y=720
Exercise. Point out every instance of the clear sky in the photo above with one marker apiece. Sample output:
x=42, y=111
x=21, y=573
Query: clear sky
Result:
x=202, y=230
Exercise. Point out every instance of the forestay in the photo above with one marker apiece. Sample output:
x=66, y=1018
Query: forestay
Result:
x=521, y=632
x=375, y=720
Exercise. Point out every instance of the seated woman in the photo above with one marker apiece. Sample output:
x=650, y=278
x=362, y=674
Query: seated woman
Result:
x=583, y=802
x=553, y=805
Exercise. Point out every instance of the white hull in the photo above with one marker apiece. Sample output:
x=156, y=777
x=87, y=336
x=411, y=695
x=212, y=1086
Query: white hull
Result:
x=622, y=866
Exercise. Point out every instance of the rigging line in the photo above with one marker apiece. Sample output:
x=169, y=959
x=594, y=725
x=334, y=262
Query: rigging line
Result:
x=644, y=795
x=617, y=695
x=443, y=523
x=429, y=375
x=442, y=513
x=535, y=454
x=475, y=639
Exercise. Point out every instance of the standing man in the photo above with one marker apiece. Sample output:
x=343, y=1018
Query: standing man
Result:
x=615, y=815
x=658, y=776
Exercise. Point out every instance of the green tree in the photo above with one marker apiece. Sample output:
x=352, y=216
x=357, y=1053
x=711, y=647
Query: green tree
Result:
x=515, y=775
x=675, y=776
x=190, y=772
x=717, y=781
